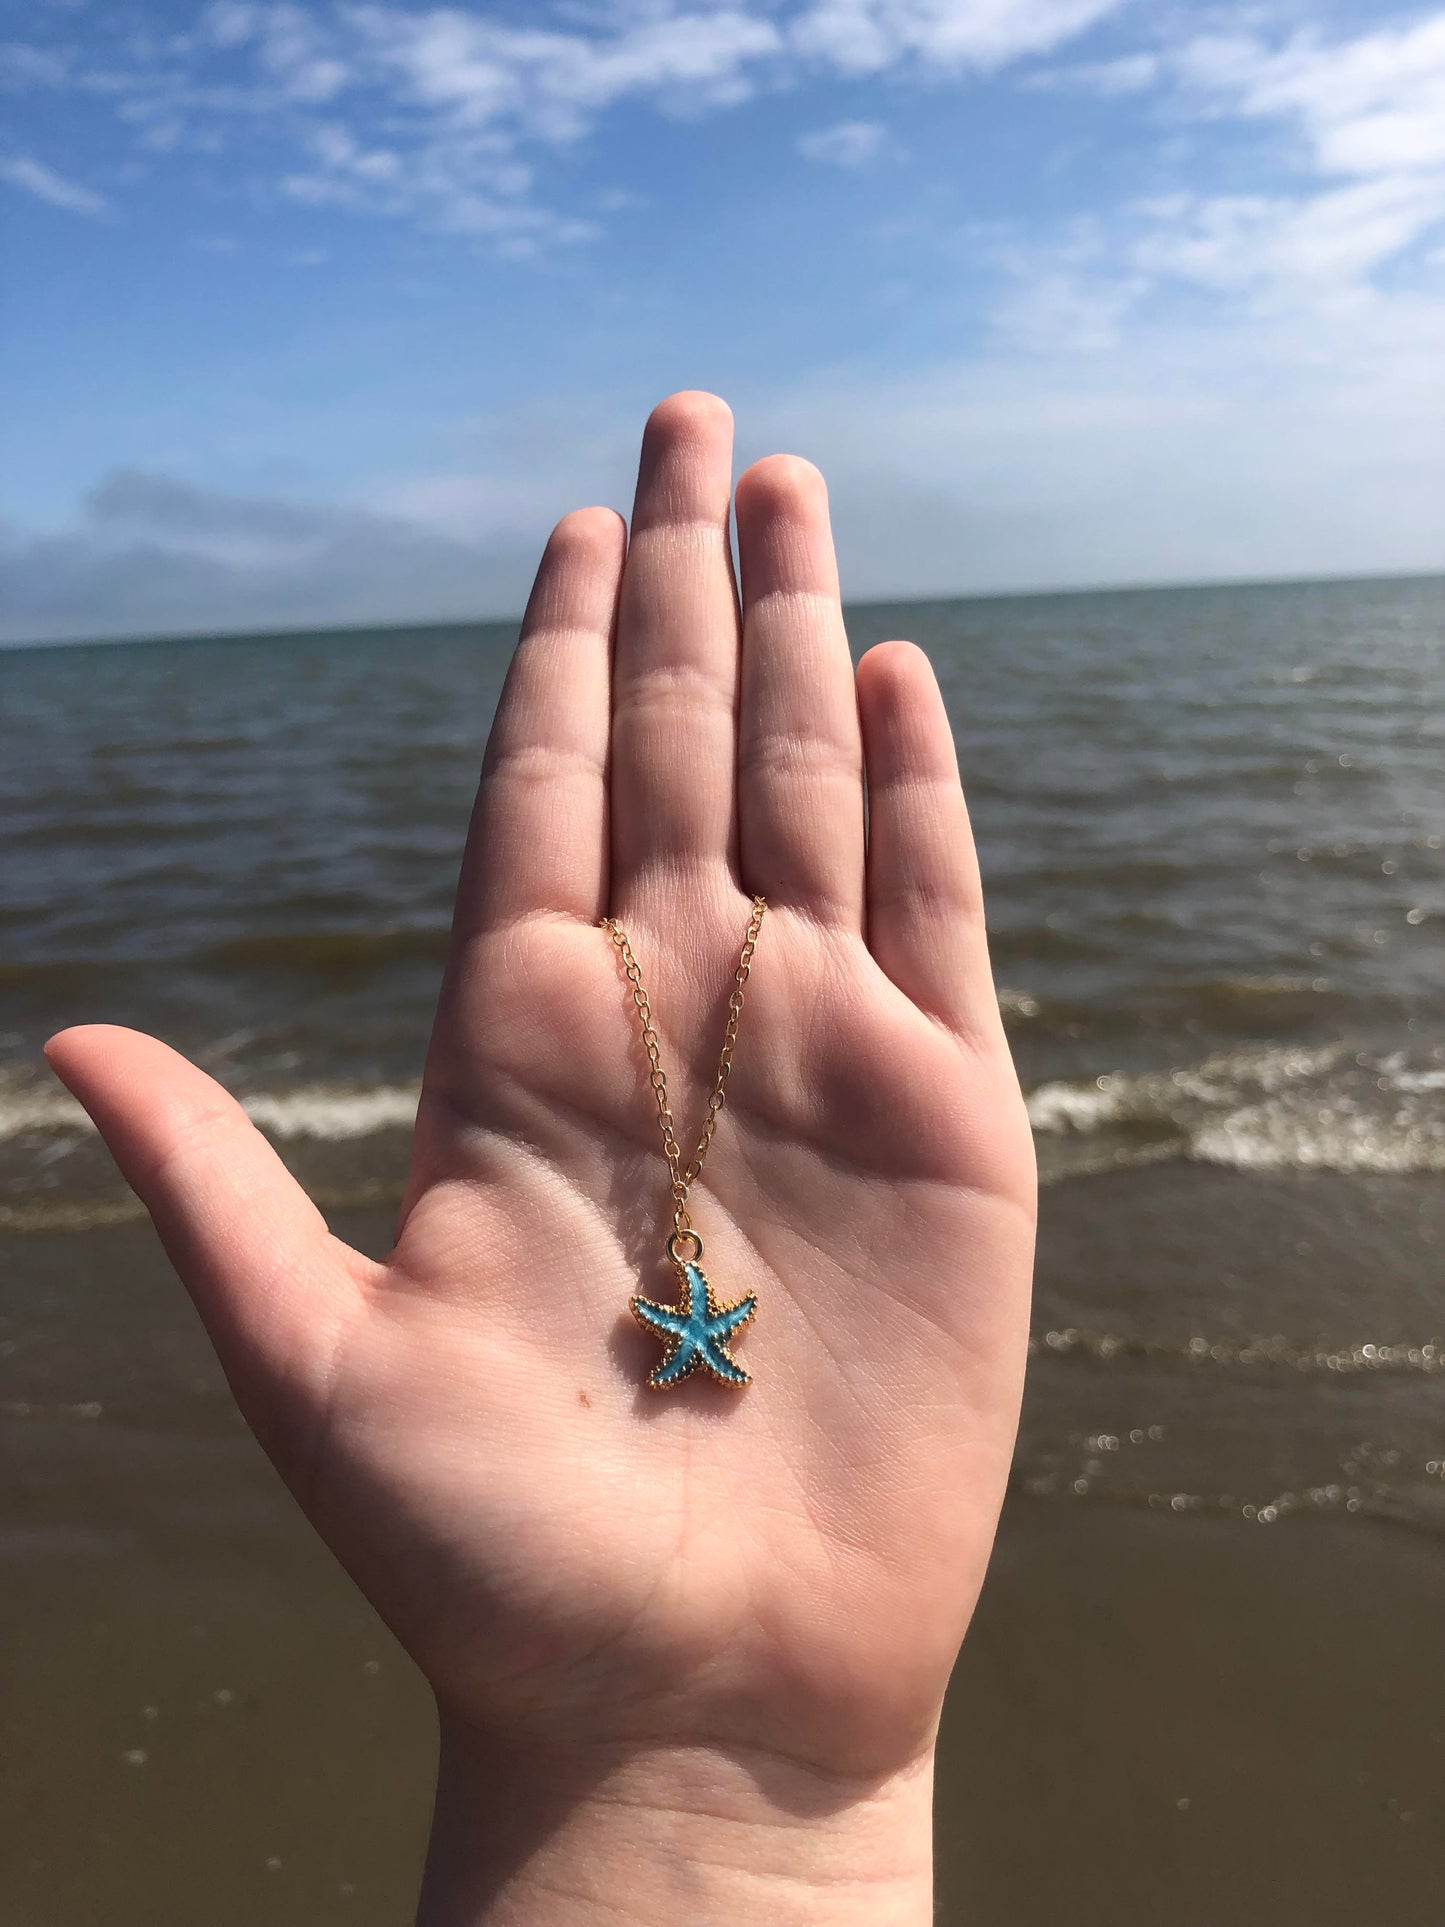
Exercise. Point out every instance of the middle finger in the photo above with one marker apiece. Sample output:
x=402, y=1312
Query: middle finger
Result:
x=675, y=674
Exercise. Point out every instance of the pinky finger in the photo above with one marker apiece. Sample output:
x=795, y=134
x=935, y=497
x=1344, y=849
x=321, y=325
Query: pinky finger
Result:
x=925, y=902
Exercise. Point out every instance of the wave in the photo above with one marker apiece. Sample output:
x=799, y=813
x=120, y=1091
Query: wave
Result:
x=1256, y=1354
x=67, y=976
x=317, y=1111
x=32, y=1109
x=103, y=1214
x=1270, y=1000
x=89, y=1214
x=330, y=951
x=1276, y=1109
x=1377, y=1501
x=1317, y=1108
x=320, y=952
x=329, y=1112
x=1264, y=1006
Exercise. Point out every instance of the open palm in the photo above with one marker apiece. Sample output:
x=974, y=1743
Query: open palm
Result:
x=565, y=1552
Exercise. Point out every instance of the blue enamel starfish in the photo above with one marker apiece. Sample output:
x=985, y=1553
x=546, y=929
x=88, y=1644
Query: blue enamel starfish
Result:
x=696, y=1335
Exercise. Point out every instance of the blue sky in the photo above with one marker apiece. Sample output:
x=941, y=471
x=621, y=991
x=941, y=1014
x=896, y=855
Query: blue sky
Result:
x=320, y=312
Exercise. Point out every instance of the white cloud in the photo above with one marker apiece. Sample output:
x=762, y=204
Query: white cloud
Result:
x=293, y=47
x=228, y=22
x=34, y=177
x=338, y=150
x=454, y=183
x=1362, y=193
x=26, y=66
x=471, y=507
x=551, y=83
x=1129, y=74
x=1297, y=247
x=866, y=36
x=1372, y=104
x=1370, y=115
x=1181, y=451
x=1061, y=307
x=460, y=92
x=466, y=90
x=149, y=554
x=850, y=143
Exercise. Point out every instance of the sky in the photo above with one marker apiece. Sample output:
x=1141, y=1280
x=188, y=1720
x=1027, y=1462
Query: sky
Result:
x=323, y=311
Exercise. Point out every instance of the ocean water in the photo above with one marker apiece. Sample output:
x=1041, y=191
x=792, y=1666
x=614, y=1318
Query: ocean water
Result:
x=1212, y=824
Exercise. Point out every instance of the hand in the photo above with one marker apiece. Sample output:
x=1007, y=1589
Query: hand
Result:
x=726, y=1610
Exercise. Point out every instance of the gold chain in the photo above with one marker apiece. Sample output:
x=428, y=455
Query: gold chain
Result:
x=683, y=1178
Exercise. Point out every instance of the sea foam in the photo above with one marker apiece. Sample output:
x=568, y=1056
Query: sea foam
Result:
x=331, y=1112
x=1317, y=1109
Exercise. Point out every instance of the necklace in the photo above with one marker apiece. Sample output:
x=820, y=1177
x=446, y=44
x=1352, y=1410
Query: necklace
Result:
x=696, y=1330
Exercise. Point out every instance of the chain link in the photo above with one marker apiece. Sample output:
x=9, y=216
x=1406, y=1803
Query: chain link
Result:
x=685, y=1176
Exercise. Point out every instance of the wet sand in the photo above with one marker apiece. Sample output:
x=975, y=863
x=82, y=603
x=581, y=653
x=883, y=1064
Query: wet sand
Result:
x=1160, y=1717
x=1154, y=1721
x=1180, y=1723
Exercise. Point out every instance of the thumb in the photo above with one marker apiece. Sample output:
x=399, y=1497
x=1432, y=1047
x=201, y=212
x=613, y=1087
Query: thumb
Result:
x=273, y=1287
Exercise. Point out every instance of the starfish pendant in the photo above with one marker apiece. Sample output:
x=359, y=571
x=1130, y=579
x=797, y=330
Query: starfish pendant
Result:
x=696, y=1332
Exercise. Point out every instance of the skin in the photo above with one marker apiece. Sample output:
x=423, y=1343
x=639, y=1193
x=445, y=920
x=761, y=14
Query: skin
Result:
x=688, y=1648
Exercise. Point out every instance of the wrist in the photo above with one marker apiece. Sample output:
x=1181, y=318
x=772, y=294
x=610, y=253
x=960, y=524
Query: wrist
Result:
x=669, y=1832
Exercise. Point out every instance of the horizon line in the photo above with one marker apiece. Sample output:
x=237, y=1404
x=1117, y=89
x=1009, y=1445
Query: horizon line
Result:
x=138, y=639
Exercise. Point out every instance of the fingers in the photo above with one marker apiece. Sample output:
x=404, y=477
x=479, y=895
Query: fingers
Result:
x=925, y=904
x=800, y=757
x=538, y=840
x=675, y=668
x=272, y=1285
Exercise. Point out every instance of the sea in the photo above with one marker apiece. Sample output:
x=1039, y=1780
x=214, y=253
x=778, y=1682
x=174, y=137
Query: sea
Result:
x=1212, y=830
